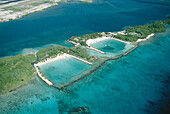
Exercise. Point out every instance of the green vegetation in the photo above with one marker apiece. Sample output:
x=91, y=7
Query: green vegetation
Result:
x=132, y=34
x=167, y=21
x=147, y=29
x=143, y=31
x=128, y=37
x=82, y=39
x=15, y=71
x=54, y=51
x=92, y=58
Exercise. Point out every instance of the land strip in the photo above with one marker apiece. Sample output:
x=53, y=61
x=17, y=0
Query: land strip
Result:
x=22, y=8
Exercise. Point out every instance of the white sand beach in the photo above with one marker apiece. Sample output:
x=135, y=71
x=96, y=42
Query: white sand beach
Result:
x=149, y=36
x=91, y=41
x=43, y=78
x=60, y=57
x=49, y=60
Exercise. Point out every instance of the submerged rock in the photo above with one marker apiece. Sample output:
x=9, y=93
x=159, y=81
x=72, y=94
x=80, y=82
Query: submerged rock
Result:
x=80, y=110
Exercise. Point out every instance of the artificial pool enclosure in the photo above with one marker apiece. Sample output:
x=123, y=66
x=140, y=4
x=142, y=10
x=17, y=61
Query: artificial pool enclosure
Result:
x=64, y=71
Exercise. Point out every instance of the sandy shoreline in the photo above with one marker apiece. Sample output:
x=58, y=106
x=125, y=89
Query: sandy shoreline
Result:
x=92, y=41
x=149, y=36
x=16, y=10
x=9, y=15
x=60, y=57
x=49, y=60
x=41, y=76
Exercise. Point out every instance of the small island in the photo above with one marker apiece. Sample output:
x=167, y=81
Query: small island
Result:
x=130, y=34
x=18, y=70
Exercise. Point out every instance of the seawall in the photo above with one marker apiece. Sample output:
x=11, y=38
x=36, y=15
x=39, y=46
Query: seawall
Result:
x=99, y=67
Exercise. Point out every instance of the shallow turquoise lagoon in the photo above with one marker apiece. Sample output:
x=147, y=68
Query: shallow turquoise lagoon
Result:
x=111, y=46
x=134, y=84
x=62, y=71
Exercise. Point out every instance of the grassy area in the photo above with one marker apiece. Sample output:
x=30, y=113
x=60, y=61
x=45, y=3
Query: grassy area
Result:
x=129, y=37
x=132, y=34
x=54, y=51
x=15, y=71
x=147, y=29
x=82, y=39
x=143, y=31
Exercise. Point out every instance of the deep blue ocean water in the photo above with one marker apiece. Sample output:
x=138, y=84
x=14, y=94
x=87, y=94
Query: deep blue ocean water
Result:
x=138, y=83
x=55, y=25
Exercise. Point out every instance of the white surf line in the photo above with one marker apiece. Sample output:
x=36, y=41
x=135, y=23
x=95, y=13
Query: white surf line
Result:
x=149, y=36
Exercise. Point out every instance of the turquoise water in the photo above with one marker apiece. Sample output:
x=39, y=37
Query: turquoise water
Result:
x=135, y=84
x=55, y=25
x=112, y=46
x=64, y=70
x=138, y=83
x=114, y=51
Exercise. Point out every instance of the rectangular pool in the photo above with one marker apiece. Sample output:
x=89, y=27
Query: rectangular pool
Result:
x=59, y=72
x=110, y=45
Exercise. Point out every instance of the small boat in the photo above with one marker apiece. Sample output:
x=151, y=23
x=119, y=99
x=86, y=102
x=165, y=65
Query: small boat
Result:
x=105, y=45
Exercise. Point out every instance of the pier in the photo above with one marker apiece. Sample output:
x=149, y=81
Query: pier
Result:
x=74, y=43
x=81, y=60
x=90, y=47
